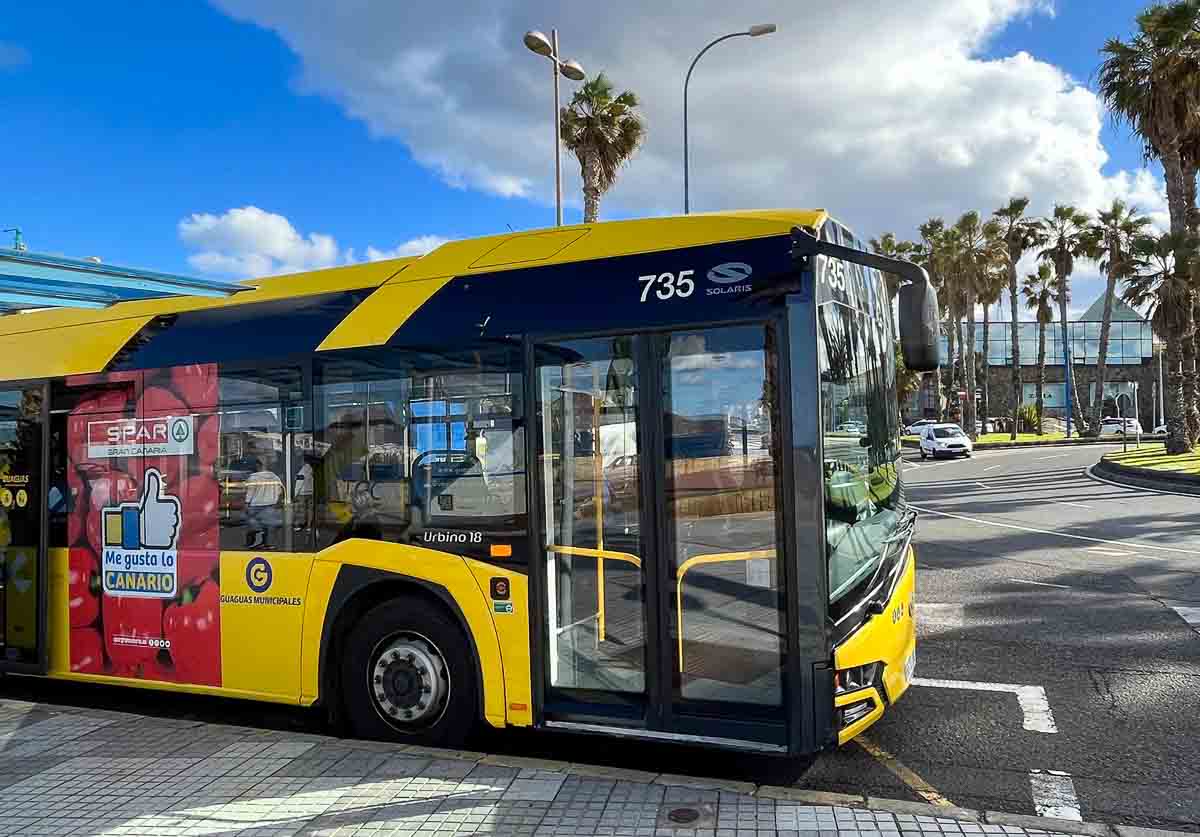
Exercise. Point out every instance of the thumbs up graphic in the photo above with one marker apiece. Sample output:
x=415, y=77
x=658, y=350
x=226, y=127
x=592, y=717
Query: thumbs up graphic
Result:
x=159, y=513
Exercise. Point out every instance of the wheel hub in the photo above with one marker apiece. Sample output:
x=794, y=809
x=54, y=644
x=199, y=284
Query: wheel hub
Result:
x=410, y=681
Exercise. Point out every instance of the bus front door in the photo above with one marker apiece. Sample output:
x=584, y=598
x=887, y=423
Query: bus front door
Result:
x=23, y=572
x=662, y=606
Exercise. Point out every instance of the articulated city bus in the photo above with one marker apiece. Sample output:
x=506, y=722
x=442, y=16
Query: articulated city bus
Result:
x=586, y=478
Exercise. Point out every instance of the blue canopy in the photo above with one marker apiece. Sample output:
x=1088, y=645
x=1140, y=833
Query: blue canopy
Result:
x=35, y=280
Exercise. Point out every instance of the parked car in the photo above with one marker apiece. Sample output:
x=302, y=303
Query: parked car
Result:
x=852, y=427
x=945, y=440
x=917, y=426
x=1162, y=428
x=1111, y=426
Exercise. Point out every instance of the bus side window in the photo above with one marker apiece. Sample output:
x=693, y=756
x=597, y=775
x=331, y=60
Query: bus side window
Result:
x=259, y=422
x=422, y=450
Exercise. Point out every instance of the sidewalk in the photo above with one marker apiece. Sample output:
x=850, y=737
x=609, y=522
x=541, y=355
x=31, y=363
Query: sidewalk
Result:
x=65, y=770
x=1150, y=467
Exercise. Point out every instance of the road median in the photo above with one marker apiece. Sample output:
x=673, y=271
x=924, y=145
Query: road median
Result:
x=1152, y=468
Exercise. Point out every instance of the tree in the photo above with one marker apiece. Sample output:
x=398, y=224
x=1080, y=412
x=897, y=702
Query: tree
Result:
x=926, y=255
x=1111, y=241
x=1152, y=83
x=992, y=283
x=1038, y=290
x=888, y=245
x=980, y=251
x=1158, y=286
x=603, y=131
x=1066, y=240
x=1020, y=235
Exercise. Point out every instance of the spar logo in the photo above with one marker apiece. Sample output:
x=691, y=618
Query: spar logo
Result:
x=140, y=543
x=259, y=575
x=165, y=436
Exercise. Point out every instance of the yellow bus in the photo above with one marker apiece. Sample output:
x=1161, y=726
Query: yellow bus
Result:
x=638, y=478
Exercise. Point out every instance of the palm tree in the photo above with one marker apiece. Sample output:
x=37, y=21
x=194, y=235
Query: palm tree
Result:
x=991, y=287
x=980, y=251
x=1152, y=83
x=926, y=254
x=892, y=247
x=1111, y=241
x=1066, y=240
x=1164, y=290
x=1020, y=234
x=603, y=131
x=1038, y=290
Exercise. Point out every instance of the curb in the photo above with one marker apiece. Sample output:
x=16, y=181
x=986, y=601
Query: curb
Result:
x=1147, y=478
x=699, y=783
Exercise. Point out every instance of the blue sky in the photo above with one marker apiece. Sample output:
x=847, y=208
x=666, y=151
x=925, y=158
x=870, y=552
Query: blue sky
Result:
x=123, y=120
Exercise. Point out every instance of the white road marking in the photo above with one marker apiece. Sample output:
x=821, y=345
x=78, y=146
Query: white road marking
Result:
x=1032, y=699
x=1056, y=456
x=1051, y=532
x=1054, y=795
x=982, y=485
x=992, y=467
x=1076, y=505
x=1039, y=583
x=946, y=615
x=1188, y=613
x=1103, y=551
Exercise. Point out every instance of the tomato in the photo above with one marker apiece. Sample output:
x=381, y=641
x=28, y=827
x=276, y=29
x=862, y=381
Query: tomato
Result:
x=106, y=488
x=193, y=627
x=129, y=621
x=196, y=384
x=87, y=651
x=199, y=501
x=83, y=580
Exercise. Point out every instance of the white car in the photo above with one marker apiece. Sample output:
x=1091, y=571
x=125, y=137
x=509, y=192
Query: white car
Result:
x=1111, y=426
x=917, y=426
x=1162, y=428
x=852, y=427
x=944, y=440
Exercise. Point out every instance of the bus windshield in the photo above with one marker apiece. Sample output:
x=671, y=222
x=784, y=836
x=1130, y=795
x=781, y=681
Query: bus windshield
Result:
x=864, y=503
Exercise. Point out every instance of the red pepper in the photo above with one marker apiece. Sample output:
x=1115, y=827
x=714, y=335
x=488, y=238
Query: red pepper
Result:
x=83, y=579
x=193, y=628
x=87, y=655
x=129, y=626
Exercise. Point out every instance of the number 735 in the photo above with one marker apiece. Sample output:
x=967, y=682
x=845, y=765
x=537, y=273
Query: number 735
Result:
x=667, y=285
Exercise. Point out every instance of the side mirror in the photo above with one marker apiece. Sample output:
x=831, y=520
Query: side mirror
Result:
x=918, y=309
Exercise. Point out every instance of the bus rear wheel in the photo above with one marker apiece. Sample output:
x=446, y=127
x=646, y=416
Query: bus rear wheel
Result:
x=407, y=675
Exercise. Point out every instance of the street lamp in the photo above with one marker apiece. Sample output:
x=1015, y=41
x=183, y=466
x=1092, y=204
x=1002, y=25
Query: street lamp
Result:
x=753, y=32
x=538, y=43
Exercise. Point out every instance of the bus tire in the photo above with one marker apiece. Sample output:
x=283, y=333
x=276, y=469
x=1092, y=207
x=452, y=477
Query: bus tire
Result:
x=407, y=675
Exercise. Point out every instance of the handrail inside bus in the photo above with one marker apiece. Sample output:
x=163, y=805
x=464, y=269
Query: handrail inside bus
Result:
x=697, y=560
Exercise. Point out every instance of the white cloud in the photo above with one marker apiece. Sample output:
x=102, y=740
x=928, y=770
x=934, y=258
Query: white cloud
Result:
x=13, y=55
x=418, y=246
x=247, y=241
x=884, y=113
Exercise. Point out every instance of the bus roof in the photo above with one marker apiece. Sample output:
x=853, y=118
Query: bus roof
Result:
x=65, y=341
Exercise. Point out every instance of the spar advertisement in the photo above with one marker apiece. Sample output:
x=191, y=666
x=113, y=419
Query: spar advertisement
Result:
x=144, y=583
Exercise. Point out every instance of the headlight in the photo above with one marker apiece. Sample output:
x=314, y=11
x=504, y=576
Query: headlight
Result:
x=854, y=678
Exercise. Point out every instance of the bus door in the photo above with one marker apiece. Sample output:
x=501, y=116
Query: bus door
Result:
x=23, y=568
x=662, y=597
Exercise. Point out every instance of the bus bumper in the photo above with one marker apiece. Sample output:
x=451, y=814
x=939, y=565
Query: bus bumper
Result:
x=875, y=664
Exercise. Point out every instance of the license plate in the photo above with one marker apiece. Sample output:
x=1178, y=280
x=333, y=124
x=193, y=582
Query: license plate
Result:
x=910, y=665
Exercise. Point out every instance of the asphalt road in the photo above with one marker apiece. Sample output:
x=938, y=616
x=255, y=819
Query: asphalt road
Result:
x=1029, y=574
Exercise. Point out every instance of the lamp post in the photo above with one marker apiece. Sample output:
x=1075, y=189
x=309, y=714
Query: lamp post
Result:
x=538, y=43
x=753, y=32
